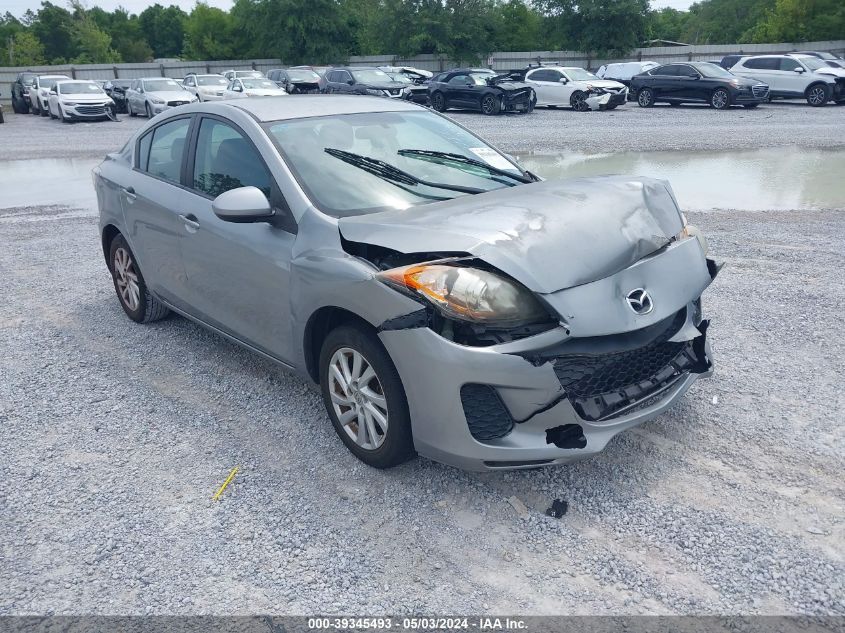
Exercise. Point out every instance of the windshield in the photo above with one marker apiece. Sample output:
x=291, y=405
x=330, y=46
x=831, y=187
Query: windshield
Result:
x=712, y=70
x=259, y=84
x=579, y=74
x=161, y=85
x=480, y=79
x=303, y=75
x=80, y=88
x=380, y=136
x=211, y=81
x=49, y=82
x=370, y=76
x=813, y=63
x=400, y=78
x=248, y=73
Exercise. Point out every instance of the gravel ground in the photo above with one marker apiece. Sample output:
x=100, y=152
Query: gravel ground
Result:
x=116, y=436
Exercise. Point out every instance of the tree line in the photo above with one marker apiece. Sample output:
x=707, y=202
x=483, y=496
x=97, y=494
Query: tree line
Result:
x=324, y=31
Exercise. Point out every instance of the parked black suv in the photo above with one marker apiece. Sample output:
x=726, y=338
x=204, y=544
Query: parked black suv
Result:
x=20, y=92
x=364, y=81
x=696, y=82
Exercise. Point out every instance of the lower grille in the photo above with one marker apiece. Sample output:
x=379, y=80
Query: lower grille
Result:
x=176, y=103
x=602, y=385
x=760, y=91
x=486, y=414
x=91, y=110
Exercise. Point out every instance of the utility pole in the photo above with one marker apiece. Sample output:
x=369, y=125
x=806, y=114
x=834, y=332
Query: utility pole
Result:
x=11, y=51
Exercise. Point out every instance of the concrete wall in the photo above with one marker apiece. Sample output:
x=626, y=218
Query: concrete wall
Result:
x=660, y=54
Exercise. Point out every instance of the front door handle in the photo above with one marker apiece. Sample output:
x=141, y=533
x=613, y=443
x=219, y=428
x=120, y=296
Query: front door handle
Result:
x=191, y=222
x=130, y=194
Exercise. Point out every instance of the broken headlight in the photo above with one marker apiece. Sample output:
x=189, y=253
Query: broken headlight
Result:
x=468, y=294
x=690, y=230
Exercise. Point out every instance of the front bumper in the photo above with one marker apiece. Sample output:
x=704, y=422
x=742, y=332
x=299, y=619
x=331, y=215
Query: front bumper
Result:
x=86, y=111
x=607, y=99
x=457, y=423
x=561, y=395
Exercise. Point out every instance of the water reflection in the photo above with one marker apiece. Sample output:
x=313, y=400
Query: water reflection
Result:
x=61, y=181
x=754, y=180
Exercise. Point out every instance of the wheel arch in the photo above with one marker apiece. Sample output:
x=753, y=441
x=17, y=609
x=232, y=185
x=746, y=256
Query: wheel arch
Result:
x=318, y=326
x=818, y=82
x=110, y=231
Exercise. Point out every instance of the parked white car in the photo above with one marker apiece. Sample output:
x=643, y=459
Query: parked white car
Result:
x=78, y=99
x=795, y=77
x=151, y=95
x=253, y=87
x=624, y=71
x=239, y=74
x=39, y=93
x=206, y=87
x=573, y=86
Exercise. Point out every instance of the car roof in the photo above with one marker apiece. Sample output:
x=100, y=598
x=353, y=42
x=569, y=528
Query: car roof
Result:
x=304, y=106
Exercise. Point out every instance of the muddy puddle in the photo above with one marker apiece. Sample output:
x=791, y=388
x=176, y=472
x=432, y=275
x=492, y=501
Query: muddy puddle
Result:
x=778, y=178
x=756, y=180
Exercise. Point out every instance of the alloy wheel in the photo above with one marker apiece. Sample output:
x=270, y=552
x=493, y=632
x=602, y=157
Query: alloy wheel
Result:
x=126, y=278
x=817, y=95
x=644, y=98
x=358, y=398
x=720, y=99
x=488, y=104
x=579, y=102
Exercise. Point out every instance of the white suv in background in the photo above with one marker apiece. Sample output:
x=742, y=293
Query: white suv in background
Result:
x=795, y=76
x=39, y=94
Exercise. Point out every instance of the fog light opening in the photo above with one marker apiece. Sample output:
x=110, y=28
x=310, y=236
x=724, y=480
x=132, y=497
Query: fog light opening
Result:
x=566, y=436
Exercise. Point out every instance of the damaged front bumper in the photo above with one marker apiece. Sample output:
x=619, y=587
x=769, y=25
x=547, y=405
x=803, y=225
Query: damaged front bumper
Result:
x=602, y=99
x=560, y=395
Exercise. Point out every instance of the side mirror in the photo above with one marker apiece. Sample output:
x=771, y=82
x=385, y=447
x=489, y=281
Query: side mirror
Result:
x=238, y=89
x=351, y=82
x=563, y=80
x=799, y=70
x=242, y=205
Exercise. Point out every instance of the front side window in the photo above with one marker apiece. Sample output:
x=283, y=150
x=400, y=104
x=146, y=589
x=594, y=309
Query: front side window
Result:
x=226, y=160
x=787, y=63
x=167, y=147
x=327, y=155
x=459, y=80
x=670, y=70
x=687, y=71
x=579, y=74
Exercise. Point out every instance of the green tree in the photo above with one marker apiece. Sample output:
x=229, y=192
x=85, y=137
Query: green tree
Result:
x=668, y=24
x=724, y=21
x=92, y=45
x=208, y=34
x=53, y=26
x=25, y=50
x=518, y=27
x=164, y=29
x=801, y=21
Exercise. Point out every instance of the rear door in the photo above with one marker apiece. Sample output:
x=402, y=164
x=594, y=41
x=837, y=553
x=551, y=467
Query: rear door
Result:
x=153, y=199
x=765, y=69
x=237, y=274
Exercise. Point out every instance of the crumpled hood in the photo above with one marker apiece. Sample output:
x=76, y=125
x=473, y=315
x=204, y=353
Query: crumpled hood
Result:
x=836, y=72
x=548, y=235
x=86, y=98
x=605, y=83
x=170, y=95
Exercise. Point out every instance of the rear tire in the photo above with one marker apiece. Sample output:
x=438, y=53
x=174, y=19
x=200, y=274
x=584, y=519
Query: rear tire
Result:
x=374, y=392
x=818, y=95
x=132, y=293
x=645, y=98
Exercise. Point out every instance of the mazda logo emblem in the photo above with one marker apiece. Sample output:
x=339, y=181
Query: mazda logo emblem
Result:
x=639, y=301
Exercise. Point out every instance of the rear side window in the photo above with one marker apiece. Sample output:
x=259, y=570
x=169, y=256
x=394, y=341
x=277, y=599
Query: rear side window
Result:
x=227, y=160
x=762, y=63
x=166, y=149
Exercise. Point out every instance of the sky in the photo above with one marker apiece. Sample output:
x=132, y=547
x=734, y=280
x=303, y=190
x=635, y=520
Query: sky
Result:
x=19, y=7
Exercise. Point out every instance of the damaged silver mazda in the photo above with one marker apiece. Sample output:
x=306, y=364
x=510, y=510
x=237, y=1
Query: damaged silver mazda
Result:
x=447, y=302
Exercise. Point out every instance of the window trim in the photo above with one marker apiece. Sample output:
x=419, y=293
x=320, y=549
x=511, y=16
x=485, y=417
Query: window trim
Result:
x=137, y=151
x=281, y=210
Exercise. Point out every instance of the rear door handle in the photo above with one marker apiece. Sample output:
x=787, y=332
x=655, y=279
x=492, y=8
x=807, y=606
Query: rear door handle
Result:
x=190, y=221
x=130, y=194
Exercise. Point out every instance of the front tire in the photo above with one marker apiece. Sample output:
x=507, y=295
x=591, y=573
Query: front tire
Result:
x=818, y=95
x=438, y=102
x=130, y=110
x=42, y=111
x=720, y=99
x=645, y=98
x=148, y=110
x=50, y=110
x=364, y=397
x=578, y=101
x=135, y=299
x=490, y=105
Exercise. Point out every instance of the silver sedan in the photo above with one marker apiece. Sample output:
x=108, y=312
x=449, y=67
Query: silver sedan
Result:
x=447, y=302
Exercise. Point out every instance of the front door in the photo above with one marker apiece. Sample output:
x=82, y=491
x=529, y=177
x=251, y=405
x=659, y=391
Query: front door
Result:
x=237, y=274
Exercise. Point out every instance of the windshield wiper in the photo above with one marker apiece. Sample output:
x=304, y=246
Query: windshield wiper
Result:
x=388, y=172
x=444, y=158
